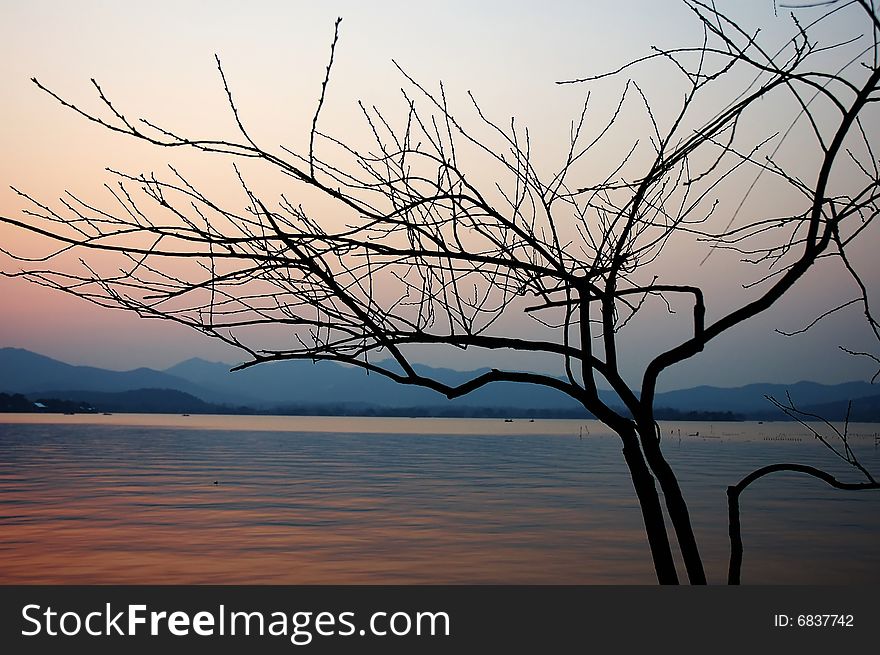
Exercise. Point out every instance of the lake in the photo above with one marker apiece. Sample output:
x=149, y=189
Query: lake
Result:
x=303, y=500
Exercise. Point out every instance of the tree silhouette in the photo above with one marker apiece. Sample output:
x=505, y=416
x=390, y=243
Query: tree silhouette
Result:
x=836, y=440
x=414, y=251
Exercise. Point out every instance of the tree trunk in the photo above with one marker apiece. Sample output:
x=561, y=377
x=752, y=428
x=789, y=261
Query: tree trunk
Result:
x=675, y=502
x=652, y=510
x=734, y=491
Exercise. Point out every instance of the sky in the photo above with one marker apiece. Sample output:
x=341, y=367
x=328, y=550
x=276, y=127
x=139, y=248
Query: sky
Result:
x=157, y=60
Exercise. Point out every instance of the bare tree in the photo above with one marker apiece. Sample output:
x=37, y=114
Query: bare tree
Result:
x=417, y=253
x=835, y=439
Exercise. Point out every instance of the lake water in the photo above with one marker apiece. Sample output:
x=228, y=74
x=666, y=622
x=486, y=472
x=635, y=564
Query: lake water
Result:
x=133, y=499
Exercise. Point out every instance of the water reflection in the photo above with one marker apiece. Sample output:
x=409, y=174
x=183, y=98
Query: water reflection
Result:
x=324, y=500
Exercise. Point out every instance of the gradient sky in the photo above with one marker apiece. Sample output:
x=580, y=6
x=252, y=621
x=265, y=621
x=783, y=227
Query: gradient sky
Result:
x=156, y=60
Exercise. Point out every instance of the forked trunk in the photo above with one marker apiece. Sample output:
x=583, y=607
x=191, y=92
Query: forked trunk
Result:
x=675, y=502
x=652, y=511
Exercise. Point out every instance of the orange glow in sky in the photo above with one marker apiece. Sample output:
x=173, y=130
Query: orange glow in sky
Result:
x=158, y=63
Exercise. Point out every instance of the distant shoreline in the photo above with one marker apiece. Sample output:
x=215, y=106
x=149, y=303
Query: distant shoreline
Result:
x=197, y=386
x=157, y=401
x=26, y=405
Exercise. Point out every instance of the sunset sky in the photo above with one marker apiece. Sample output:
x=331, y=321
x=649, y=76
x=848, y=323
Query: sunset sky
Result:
x=157, y=60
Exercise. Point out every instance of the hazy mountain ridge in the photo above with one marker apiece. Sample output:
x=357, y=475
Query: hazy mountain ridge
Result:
x=146, y=401
x=344, y=382
x=276, y=383
x=861, y=410
x=300, y=386
x=23, y=371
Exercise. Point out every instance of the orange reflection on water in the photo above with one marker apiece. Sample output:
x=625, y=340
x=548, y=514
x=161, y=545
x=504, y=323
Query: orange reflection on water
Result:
x=326, y=501
x=130, y=539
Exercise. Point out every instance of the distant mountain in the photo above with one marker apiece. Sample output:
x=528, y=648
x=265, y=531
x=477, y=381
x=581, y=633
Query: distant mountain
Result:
x=148, y=401
x=268, y=385
x=863, y=410
x=302, y=382
x=298, y=386
x=750, y=399
x=22, y=371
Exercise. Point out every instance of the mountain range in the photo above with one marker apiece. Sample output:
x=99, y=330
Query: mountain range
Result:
x=286, y=386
